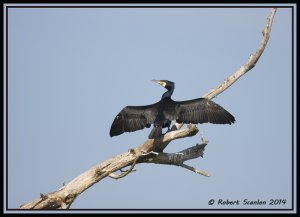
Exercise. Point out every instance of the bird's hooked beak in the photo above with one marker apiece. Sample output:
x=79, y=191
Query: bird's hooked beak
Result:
x=162, y=83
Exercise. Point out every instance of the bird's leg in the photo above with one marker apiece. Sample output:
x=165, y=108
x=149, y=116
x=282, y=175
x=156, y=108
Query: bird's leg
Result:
x=168, y=124
x=169, y=127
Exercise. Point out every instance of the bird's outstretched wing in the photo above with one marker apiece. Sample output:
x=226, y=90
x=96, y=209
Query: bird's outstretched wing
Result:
x=202, y=110
x=133, y=118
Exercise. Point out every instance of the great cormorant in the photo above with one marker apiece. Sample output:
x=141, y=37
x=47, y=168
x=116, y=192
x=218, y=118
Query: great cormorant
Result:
x=160, y=114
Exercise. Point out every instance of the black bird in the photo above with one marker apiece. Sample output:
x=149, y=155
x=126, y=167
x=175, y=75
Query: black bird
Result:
x=160, y=114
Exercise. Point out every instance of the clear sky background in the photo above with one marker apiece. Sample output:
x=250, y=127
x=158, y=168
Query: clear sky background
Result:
x=72, y=70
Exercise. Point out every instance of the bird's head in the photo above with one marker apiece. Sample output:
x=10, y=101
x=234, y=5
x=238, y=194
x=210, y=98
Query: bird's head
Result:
x=169, y=85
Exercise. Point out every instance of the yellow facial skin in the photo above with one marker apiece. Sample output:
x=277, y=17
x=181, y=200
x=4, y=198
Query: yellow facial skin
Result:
x=162, y=83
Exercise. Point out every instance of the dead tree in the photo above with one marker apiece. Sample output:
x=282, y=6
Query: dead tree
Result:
x=149, y=152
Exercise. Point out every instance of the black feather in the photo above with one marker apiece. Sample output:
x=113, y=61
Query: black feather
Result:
x=160, y=114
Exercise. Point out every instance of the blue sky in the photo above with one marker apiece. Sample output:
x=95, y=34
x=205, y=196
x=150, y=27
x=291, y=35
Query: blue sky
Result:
x=72, y=70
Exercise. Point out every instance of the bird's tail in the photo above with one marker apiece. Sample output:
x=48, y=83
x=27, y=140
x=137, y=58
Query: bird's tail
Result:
x=155, y=132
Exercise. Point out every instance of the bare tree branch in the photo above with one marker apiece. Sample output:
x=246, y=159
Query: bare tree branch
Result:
x=195, y=170
x=149, y=152
x=179, y=158
x=125, y=173
x=66, y=195
x=250, y=63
